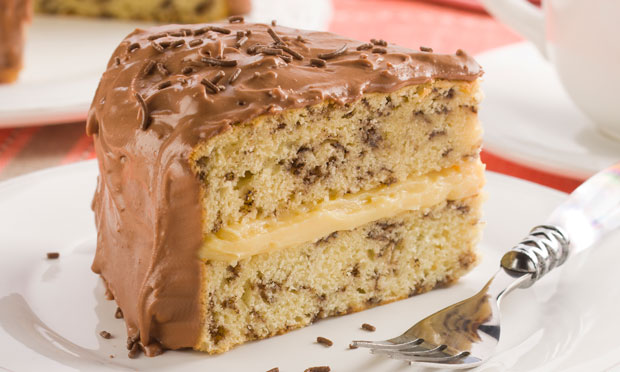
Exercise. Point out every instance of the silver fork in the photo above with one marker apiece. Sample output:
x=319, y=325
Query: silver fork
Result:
x=464, y=335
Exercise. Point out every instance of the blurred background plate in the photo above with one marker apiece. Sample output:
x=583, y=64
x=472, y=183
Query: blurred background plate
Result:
x=65, y=57
x=529, y=119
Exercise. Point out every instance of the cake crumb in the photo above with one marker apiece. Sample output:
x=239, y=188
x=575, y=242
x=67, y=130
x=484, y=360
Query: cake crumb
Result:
x=318, y=369
x=368, y=327
x=351, y=346
x=276, y=369
x=52, y=255
x=105, y=334
x=119, y=313
x=111, y=356
x=325, y=341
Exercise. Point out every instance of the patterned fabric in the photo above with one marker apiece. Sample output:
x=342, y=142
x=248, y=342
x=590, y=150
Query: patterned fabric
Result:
x=406, y=22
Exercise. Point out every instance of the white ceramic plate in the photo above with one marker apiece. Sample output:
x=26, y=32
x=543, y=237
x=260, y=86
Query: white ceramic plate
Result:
x=529, y=119
x=51, y=311
x=65, y=57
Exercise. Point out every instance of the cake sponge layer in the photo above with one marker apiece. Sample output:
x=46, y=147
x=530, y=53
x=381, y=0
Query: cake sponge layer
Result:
x=170, y=11
x=347, y=271
x=297, y=159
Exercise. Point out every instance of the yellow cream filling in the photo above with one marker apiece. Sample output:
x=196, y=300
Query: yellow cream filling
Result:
x=234, y=242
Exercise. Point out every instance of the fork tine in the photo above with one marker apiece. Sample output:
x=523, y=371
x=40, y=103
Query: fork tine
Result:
x=430, y=359
x=390, y=351
x=424, y=352
x=387, y=345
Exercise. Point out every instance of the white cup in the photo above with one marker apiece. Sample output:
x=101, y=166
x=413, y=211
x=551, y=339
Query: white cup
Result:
x=581, y=38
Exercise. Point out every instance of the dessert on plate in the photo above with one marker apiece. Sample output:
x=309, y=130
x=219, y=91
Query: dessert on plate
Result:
x=15, y=16
x=254, y=179
x=167, y=11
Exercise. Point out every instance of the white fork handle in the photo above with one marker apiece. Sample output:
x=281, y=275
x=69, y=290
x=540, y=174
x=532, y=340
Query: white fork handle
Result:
x=522, y=17
x=589, y=213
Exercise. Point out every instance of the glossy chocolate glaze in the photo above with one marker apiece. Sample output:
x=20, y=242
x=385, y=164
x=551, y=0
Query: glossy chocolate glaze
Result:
x=153, y=106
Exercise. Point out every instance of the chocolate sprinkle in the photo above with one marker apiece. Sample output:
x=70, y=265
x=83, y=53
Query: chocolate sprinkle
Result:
x=254, y=48
x=53, y=255
x=177, y=43
x=117, y=61
x=220, y=74
x=317, y=62
x=275, y=36
x=368, y=327
x=221, y=30
x=177, y=34
x=162, y=69
x=219, y=62
x=286, y=58
x=234, y=76
x=186, y=31
x=146, y=119
x=325, y=341
x=271, y=51
x=133, y=340
x=379, y=50
x=335, y=53
x=210, y=86
x=379, y=42
x=426, y=49
x=241, y=41
x=119, y=313
x=318, y=369
x=134, y=351
x=157, y=47
x=187, y=70
x=237, y=19
x=157, y=36
x=105, y=334
x=291, y=52
x=132, y=47
x=164, y=85
x=148, y=68
x=164, y=44
x=201, y=30
x=240, y=34
x=365, y=46
x=195, y=42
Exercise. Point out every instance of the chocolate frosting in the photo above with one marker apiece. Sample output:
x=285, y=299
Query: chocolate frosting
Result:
x=169, y=88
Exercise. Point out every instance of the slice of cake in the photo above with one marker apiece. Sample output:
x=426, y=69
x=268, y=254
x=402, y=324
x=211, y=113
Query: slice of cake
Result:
x=254, y=179
x=167, y=11
x=14, y=18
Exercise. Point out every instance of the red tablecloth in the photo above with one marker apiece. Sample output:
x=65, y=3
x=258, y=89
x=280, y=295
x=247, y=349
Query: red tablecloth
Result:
x=406, y=22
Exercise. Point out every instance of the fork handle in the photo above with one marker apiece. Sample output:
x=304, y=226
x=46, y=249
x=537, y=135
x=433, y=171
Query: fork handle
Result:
x=589, y=213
